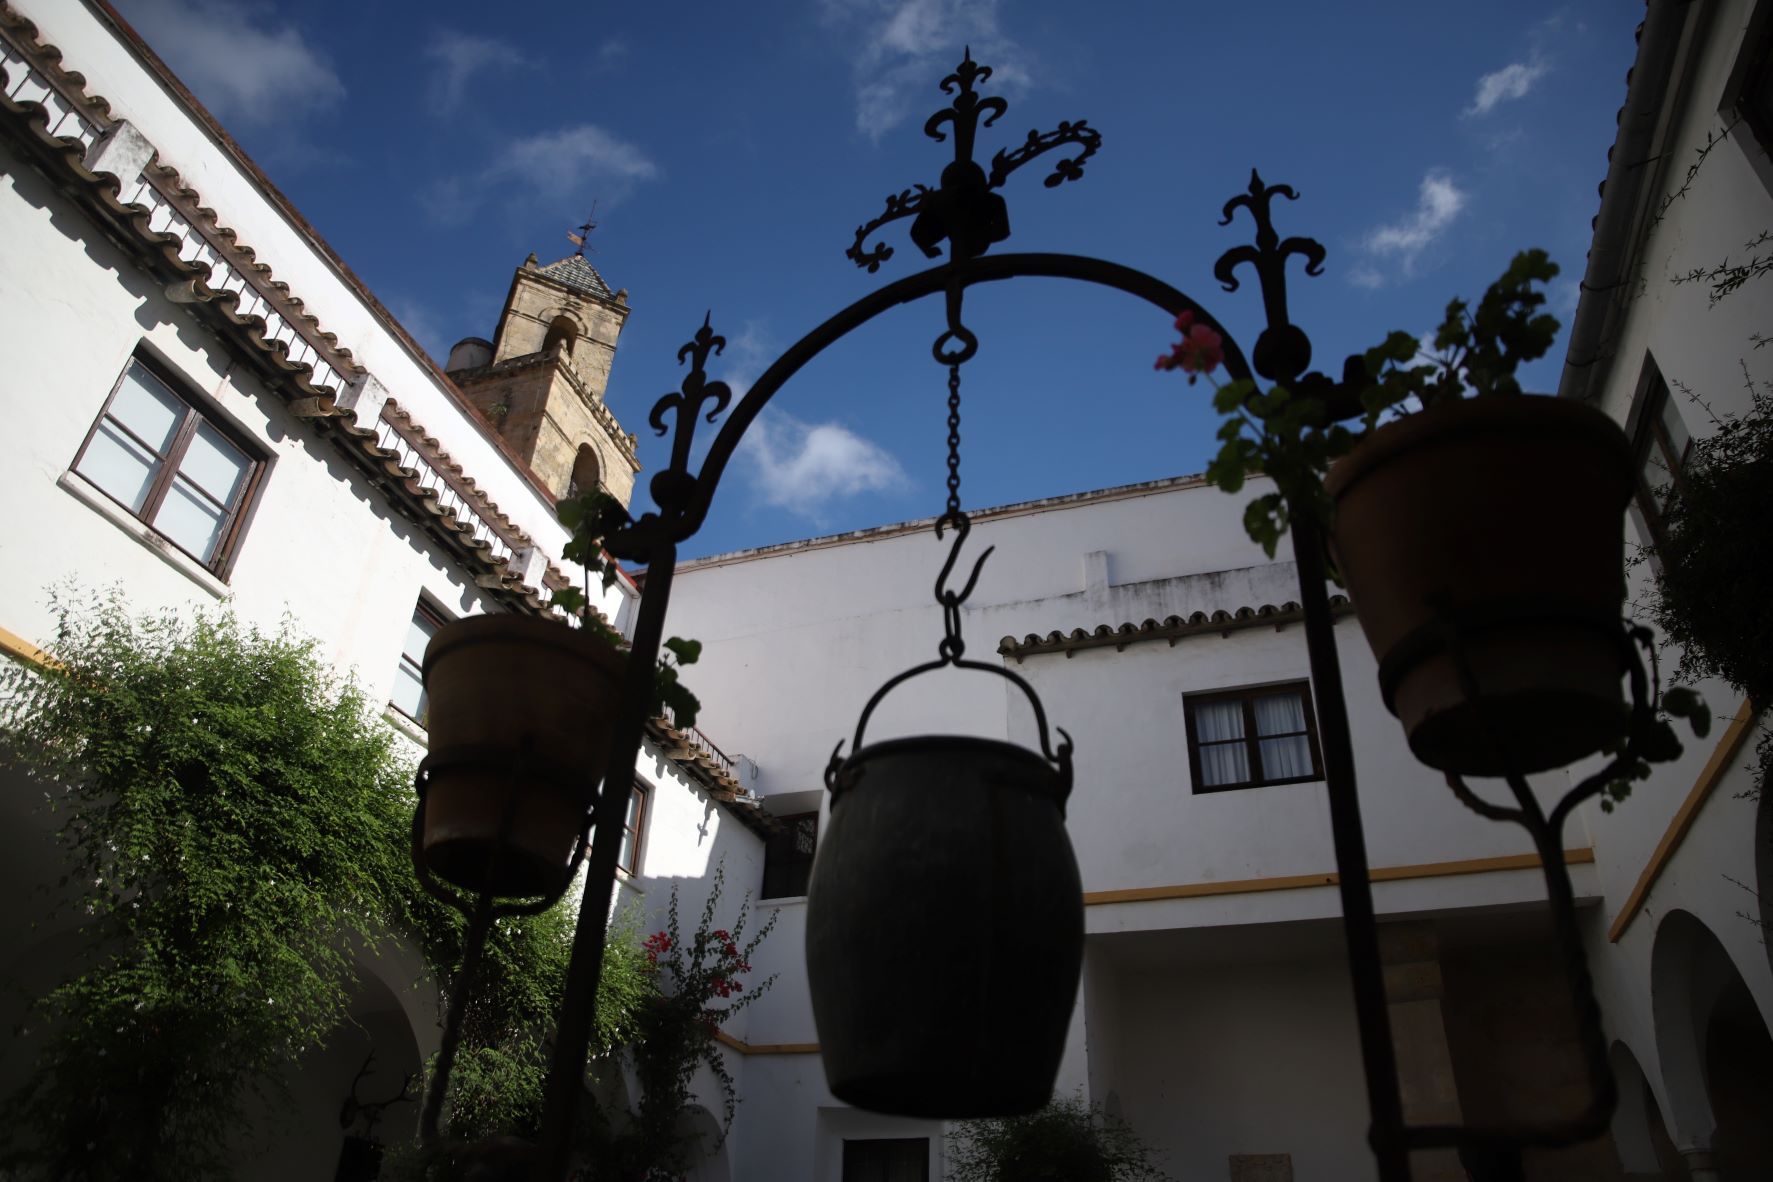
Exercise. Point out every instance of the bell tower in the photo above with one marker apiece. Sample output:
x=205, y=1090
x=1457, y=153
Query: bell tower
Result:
x=541, y=380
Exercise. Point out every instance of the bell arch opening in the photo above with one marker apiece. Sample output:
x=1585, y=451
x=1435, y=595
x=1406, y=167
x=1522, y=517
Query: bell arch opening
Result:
x=587, y=471
x=563, y=333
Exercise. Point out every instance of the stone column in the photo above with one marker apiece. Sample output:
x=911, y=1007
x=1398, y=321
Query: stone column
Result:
x=1701, y=1166
x=1409, y=955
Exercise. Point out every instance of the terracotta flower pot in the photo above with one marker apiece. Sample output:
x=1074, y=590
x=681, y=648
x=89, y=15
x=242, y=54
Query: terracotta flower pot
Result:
x=944, y=929
x=1504, y=516
x=520, y=713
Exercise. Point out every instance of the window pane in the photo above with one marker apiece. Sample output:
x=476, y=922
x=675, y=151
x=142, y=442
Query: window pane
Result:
x=1286, y=759
x=418, y=638
x=1678, y=439
x=119, y=465
x=1224, y=763
x=147, y=408
x=214, y=465
x=1217, y=721
x=190, y=519
x=636, y=799
x=1280, y=714
x=625, y=855
x=409, y=692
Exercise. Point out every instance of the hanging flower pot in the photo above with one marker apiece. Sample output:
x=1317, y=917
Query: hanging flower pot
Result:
x=1495, y=523
x=945, y=927
x=520, y=714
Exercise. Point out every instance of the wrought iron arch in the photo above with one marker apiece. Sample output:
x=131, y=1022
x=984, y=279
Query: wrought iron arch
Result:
x=965, y=212
x=684, y=502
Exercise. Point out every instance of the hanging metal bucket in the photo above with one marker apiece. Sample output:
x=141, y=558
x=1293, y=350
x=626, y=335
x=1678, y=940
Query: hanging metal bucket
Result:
x=945, y=922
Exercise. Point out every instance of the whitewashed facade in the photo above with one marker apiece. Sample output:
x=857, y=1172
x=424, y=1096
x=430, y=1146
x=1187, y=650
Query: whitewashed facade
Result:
x=144, y=254
x=1215, y=1014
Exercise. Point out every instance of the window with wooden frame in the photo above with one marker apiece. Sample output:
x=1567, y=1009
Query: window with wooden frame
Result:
x=409, y=680
x=887, y=1159
x=628, y=857
x=788, y=856
x=178, y=469
x=1247, y=738
x=1662, y=445
x=1754, y=102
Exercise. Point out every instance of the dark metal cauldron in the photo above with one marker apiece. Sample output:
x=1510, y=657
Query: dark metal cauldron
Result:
x=944, y=918
x=945, y=927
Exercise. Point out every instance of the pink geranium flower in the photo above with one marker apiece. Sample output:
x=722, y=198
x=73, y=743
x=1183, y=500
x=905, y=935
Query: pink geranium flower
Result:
x=1201, y=350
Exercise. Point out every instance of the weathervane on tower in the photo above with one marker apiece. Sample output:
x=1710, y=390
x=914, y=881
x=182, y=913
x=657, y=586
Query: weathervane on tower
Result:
x=582, y=235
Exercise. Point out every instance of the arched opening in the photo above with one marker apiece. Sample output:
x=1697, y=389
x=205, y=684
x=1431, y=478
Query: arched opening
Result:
x=586, y=471
x=1639, y=1132
x=698, y=1127
x=1717, y=1056
x=564, y=333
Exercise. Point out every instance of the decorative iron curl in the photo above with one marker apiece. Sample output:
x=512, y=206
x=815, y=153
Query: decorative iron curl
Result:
x=1038, y=143
x=898, y=205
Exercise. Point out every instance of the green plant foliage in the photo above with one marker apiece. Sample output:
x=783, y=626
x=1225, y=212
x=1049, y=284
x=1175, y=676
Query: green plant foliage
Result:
x=1067, y=1141
x=1713, y=583
x=590, y=516
x=234, y=821
x=1290, y=438
x=497, y=1083
x=699, y=988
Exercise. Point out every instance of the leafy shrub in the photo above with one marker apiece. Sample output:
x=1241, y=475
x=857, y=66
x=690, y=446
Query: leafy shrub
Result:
x=1067, y=1141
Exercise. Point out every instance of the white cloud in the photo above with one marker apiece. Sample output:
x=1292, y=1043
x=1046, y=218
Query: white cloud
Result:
x=574, y=159
x=578, y=162
x=803, y=467
x=1438, y=202
x=236, y=59
x=908, y=46
x=1512, y=81
x=459, y=57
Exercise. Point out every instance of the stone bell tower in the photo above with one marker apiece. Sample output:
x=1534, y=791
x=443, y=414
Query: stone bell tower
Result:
x=540, y=382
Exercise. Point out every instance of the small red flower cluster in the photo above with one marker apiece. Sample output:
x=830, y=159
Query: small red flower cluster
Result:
x=1201, y=350
x=656, y=945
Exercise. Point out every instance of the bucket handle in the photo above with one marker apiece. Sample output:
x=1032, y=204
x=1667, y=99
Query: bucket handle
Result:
x=952, y=653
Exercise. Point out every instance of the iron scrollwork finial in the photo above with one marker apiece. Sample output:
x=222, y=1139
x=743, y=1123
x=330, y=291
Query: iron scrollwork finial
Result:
x=673, y=487
x=963, y=211
x=1283, y=351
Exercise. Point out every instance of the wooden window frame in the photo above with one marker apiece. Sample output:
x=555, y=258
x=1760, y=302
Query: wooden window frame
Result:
x=1652, y=433
x=1247, y=695
x=197, y=410
x=789, y=821
x=639, y=800
x=1757, y=72
x=434, y=616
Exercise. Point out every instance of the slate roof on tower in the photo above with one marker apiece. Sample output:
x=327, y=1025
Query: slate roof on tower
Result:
x=579, y=275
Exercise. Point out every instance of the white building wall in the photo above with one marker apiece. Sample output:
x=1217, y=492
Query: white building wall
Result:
x=1707, y=348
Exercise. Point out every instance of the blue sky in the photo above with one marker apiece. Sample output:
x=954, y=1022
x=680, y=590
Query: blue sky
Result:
x=733, y=149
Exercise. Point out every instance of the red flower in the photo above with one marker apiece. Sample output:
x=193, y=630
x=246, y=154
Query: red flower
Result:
x=1201, y=350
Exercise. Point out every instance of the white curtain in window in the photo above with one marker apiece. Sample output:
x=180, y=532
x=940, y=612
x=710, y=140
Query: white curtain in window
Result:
x=1221, y=762
x=1290, y=756
x=1214, y=722
x=1224, y=763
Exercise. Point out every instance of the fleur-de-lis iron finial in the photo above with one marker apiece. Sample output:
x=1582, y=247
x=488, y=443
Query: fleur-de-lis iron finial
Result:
x=962, y=210
x=673, y=487
x=1283, y=351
